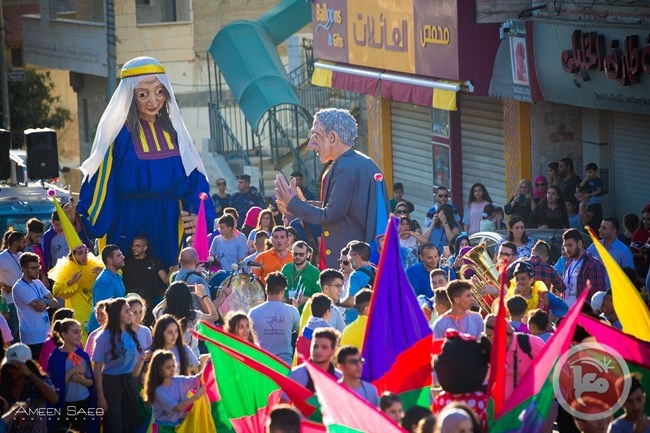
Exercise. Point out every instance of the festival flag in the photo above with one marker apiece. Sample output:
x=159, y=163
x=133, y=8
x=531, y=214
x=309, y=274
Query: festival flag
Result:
x=262, y=363
x=382, y=215
x=344, y=411
x=250, y=395
x=634, y=351
x=530, y=403
x=497, y=380
x=397, y=343
x=311, y=427
x=201, y=234
x=636, y=319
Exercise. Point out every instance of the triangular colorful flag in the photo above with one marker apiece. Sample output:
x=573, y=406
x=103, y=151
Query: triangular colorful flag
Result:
x=263, y=363
x=497, y=380
x=634, y=351
x=534, y=393
x=346, y=412
x=397, y=343
x=201, y=233
x=636, y=319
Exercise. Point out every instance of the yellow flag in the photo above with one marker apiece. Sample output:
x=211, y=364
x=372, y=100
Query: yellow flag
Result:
x=632, y=311
x=198, y=419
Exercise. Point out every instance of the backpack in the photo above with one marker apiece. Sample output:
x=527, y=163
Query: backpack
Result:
x=212, y=287
x=371, y=273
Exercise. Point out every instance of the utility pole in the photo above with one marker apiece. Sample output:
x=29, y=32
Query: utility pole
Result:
x=4, y=88
x=111, y=63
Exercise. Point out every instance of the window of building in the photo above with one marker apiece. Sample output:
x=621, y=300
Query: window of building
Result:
x=17, y=58
x=63, y=7
x=162, y=11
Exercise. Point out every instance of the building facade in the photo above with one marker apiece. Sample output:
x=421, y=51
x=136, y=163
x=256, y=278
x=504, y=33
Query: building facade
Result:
x=425, y=68
x=74, y=37
x=587, y=92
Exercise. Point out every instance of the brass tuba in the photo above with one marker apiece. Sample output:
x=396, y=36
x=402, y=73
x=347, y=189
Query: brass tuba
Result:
x=484, y=268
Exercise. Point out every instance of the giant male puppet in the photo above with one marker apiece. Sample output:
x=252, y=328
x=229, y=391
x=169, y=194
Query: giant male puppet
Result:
x=144, y=175
x=354, y=199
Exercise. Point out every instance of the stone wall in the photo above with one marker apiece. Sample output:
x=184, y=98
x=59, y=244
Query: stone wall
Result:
x=619, y=11
x=498, y=11
x=556, y=133
x=616, y=11
x=211, y=15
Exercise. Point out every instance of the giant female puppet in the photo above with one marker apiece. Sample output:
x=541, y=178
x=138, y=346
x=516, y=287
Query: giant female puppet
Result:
x=144, y=175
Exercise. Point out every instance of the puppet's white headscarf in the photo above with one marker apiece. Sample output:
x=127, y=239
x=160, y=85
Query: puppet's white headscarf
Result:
x=114, y=116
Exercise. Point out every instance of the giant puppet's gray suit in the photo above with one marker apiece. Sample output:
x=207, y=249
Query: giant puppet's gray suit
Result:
x=349, y=207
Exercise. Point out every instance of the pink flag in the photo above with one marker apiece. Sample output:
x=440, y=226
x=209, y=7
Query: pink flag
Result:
x=201, y=234
x=344, y=411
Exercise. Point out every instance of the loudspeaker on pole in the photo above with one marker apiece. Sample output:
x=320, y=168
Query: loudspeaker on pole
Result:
x=42, y=154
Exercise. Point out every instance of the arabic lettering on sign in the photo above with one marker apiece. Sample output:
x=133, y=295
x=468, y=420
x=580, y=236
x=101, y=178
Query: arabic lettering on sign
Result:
x=372, y=32
x=588, y=50
x=431, y=34
x=625, y=63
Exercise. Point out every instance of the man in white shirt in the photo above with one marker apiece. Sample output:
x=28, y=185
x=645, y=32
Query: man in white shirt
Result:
x=274, y=321
x=10, y=272
x=32, y=300
x=459, y=317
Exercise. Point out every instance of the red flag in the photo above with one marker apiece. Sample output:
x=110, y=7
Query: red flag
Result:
x=497, y=380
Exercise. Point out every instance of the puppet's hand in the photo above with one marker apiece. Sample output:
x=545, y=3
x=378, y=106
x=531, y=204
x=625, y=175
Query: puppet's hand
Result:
x=189, y=222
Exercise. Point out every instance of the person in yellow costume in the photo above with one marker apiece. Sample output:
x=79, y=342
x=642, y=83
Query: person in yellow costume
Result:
x=74, y=274
x=535, y=292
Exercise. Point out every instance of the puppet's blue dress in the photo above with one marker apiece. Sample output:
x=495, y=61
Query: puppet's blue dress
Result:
x=140, y=189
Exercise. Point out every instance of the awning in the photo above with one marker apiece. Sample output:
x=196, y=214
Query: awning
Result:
x=360, y=80
x=397, y=87
x=503, y=85
x=246, y=54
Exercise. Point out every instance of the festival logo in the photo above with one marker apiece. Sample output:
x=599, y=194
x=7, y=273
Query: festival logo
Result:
x=591, y=381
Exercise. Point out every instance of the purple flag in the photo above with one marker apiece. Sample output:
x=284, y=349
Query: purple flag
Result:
x=397, y=344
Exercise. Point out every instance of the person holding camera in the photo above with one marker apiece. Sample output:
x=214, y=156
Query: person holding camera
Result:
x=523, y=203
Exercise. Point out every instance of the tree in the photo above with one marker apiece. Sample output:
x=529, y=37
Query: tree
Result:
x=32, y=105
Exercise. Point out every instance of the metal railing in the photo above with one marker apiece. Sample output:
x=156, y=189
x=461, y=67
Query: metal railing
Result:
x=284, y=129
x=288, y=128
x=225, y=139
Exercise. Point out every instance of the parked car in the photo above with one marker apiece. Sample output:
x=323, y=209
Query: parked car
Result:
x=552, y=236
x=20, y=203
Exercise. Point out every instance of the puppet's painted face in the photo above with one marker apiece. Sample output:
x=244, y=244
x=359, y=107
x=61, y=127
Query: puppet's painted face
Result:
x=150, y=96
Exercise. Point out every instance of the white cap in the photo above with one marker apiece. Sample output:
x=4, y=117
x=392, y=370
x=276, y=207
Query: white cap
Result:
x=597, y=301
x=18, y=352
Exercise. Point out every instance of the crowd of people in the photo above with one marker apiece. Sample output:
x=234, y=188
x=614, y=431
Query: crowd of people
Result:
x=99, y=334
x=113, y=332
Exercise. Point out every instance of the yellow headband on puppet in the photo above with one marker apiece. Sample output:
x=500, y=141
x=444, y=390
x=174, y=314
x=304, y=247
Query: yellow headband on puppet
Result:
x=70, y=233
